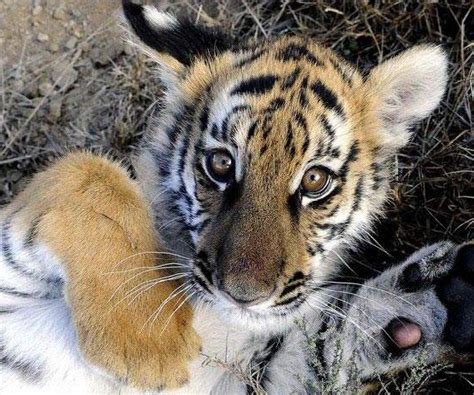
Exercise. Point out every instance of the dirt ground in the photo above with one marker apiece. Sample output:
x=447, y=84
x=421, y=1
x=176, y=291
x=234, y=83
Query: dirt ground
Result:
x=29, y=28
x=67, y=81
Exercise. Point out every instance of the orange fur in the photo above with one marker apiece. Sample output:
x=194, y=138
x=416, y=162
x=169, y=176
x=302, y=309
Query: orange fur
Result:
x=92, y=216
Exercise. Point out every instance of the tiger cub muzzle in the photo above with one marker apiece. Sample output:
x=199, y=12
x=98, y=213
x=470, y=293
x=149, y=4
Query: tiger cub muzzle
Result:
x=256, y=250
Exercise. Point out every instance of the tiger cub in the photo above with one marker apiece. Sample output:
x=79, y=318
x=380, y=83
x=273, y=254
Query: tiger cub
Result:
x=266, y=164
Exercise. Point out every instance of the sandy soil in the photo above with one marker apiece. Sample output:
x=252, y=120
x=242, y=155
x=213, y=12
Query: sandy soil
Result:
x=34, y=27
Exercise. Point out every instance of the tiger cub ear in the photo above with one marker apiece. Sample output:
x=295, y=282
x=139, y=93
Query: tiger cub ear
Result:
x=174, y=43
x=407, y=88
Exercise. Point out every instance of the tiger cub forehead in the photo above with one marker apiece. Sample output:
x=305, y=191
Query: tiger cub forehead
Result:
x=284, y=103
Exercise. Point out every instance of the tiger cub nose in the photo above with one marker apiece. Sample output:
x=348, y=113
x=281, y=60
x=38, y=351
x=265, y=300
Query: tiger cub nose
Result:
x=244, y=293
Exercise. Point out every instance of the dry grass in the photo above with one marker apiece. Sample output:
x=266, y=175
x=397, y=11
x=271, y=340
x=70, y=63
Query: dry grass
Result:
x=106, y=107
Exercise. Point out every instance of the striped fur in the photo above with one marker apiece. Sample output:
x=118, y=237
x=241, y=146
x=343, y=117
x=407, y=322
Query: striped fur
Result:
x=257, y=251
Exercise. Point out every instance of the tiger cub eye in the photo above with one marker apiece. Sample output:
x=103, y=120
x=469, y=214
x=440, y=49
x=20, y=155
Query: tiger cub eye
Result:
x=220, y=165
x=315, y=180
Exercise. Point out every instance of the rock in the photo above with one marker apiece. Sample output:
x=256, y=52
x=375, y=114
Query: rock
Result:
x=60, y=14
x=36, y=3
x=71, y=43
x=42, y=37
x=64, y=75
x=54, y=109
x=37, y=10
x=45, y=88
x=77, y=32
x=54, y=47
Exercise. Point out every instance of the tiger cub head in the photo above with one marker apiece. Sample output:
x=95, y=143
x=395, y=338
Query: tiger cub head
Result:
x=266, y=160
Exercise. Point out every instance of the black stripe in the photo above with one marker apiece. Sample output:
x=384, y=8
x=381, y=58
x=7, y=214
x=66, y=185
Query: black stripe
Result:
x=301, y=120
x=330, y=132
x=275, y=104
x=251, y=58
x=260, y=362
x=319, y=348
x=290, y=80
x=297, y=276
x=291, y=288
x=32, y=232
x=53, y=285
x=201, y=282
x=327, y=126
x=335, y=153
x=358, y=193
x=305, y=146
x=342, y=72
x=267, y=126
x=296, y=52
x=14, y=292
x=294, y=204
x=252, y=130
x=351, y=157
x=202, y=263
x=6, y=247
x=327, y=97
x=204, y=118
x=255, y=86
x=28, y=371
x=289, y=300
x=226, y=123
x=214, y=131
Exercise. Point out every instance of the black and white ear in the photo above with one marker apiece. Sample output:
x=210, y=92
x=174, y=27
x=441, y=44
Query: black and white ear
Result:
x=407, y=88
x=174, y=44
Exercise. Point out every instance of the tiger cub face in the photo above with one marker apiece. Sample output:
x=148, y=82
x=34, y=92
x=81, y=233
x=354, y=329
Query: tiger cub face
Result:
x=266, y=160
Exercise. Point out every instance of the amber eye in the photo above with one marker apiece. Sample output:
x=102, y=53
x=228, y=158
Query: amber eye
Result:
x=220, y=165
x=316, y=181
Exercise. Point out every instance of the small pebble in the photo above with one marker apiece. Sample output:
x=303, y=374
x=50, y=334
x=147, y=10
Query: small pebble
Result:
x=71, y=43
x=44, y=88
x=42, y=37
x=60, y=14
x=77, y=32
x=54, y=47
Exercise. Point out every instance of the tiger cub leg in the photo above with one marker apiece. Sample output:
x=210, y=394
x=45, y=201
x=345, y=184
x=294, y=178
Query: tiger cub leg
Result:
x=420, y=310
x=91, y=216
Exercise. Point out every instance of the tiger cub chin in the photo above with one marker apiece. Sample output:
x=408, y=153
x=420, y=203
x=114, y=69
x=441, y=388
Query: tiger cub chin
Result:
x=264, y=164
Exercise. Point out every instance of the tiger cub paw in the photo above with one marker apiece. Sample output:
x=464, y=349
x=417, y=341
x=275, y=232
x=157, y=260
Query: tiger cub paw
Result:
x=423, y=307
x=450, y=271
x=143, y=360
x=419, y=310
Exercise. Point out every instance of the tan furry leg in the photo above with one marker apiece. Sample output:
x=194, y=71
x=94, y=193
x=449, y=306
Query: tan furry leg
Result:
x=92, y=216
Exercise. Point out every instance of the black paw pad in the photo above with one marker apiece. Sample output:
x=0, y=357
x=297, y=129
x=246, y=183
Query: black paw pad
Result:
x=411, y=279
x=459, y=331
x=456, y=292
x=464, y=262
